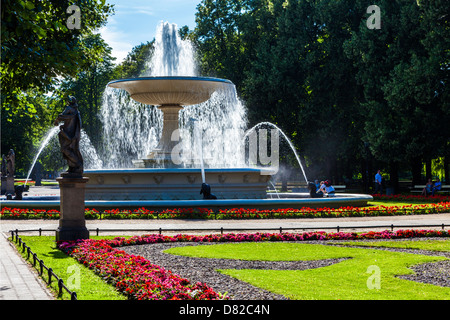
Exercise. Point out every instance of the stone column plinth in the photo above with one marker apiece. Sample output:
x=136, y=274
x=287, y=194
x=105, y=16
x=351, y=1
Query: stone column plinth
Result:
x=72, y=223
x=10, y=186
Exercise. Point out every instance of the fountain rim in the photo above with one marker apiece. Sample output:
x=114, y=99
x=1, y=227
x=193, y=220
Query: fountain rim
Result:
x=183, y=78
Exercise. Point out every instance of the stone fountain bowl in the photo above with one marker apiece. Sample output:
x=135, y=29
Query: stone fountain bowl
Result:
x=160, y=91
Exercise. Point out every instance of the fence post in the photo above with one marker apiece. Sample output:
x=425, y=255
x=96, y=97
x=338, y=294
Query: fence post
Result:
x=337, y=228
x=392, y=227
x=40, y=232
x=41, y=266
x=60, y=286
x=17, y=235
x=50, y=275
x=73, y=296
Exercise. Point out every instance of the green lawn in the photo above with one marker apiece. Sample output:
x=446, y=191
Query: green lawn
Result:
x=79, y=278
x=345, y=280
x=393, y=203
x=432, y=245
x=348, y=279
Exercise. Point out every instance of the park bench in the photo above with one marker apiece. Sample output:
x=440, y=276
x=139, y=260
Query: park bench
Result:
x=418, y=189
x=302, y=187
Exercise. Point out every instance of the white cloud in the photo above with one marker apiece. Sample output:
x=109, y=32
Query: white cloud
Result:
x=118, y=40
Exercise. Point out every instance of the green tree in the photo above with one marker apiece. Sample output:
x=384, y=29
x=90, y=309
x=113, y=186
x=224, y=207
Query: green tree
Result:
x=38, y=47
x=88, y=87
x=402, y=88
x=136, y=62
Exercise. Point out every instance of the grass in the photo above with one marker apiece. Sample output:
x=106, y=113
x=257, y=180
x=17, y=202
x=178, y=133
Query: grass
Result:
x=77, y=277
x=348, y=280
x=432, y=245
x=394, y=203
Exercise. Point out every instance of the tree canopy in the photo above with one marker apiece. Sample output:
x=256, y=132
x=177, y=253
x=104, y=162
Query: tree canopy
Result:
x=333, y=84
x=347, y=95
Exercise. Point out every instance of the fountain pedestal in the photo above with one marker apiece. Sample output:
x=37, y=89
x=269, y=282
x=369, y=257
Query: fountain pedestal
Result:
x=72, y=223
x=162, y=154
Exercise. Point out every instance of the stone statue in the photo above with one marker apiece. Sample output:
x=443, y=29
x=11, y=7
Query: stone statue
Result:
x=69, y=138
x=11, y=163
x=206, y=191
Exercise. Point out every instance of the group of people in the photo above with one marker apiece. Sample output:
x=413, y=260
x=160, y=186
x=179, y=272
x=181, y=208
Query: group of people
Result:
x=321, y=189
x=431, y=187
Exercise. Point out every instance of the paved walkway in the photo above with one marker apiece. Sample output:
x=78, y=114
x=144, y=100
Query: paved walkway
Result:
x=19, y=282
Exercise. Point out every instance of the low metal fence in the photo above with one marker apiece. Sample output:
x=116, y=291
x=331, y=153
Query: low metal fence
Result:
x=248, y=229
x=41, y=266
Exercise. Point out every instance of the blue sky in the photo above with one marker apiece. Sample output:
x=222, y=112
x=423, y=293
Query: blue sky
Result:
x=135, y=21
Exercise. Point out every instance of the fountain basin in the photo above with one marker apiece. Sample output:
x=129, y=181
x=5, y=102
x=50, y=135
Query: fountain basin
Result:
x=160, y=91
x=297, y=201
x=175, y=183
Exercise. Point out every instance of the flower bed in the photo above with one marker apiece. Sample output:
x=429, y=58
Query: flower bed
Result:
x=135, y=276
x=304, y=236
x=235, y=213
x=139, y=279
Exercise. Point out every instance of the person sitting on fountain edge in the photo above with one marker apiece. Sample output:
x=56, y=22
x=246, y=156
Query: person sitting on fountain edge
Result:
x=329, y=189
x=314, y=192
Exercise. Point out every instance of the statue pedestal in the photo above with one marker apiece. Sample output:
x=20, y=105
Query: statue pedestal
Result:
x=72, y=223
x=9, y=186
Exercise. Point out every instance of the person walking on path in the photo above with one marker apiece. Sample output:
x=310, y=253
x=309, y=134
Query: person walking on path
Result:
x=378, y=183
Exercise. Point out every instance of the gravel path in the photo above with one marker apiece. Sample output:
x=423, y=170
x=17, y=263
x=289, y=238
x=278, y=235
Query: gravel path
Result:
x=204, y=269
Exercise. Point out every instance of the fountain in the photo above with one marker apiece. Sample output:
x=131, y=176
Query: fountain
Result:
x=158, y=177
x=160, y=174
x=147, y=128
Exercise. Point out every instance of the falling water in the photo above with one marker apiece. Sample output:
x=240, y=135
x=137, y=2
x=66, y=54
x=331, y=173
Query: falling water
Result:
x=172, y=56
x=90, y=157
x=285, y=137
x=132, y=130
x=275, y=189
x=48, y=136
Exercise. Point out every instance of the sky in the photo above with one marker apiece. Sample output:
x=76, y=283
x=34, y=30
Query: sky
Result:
x=135, y=21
